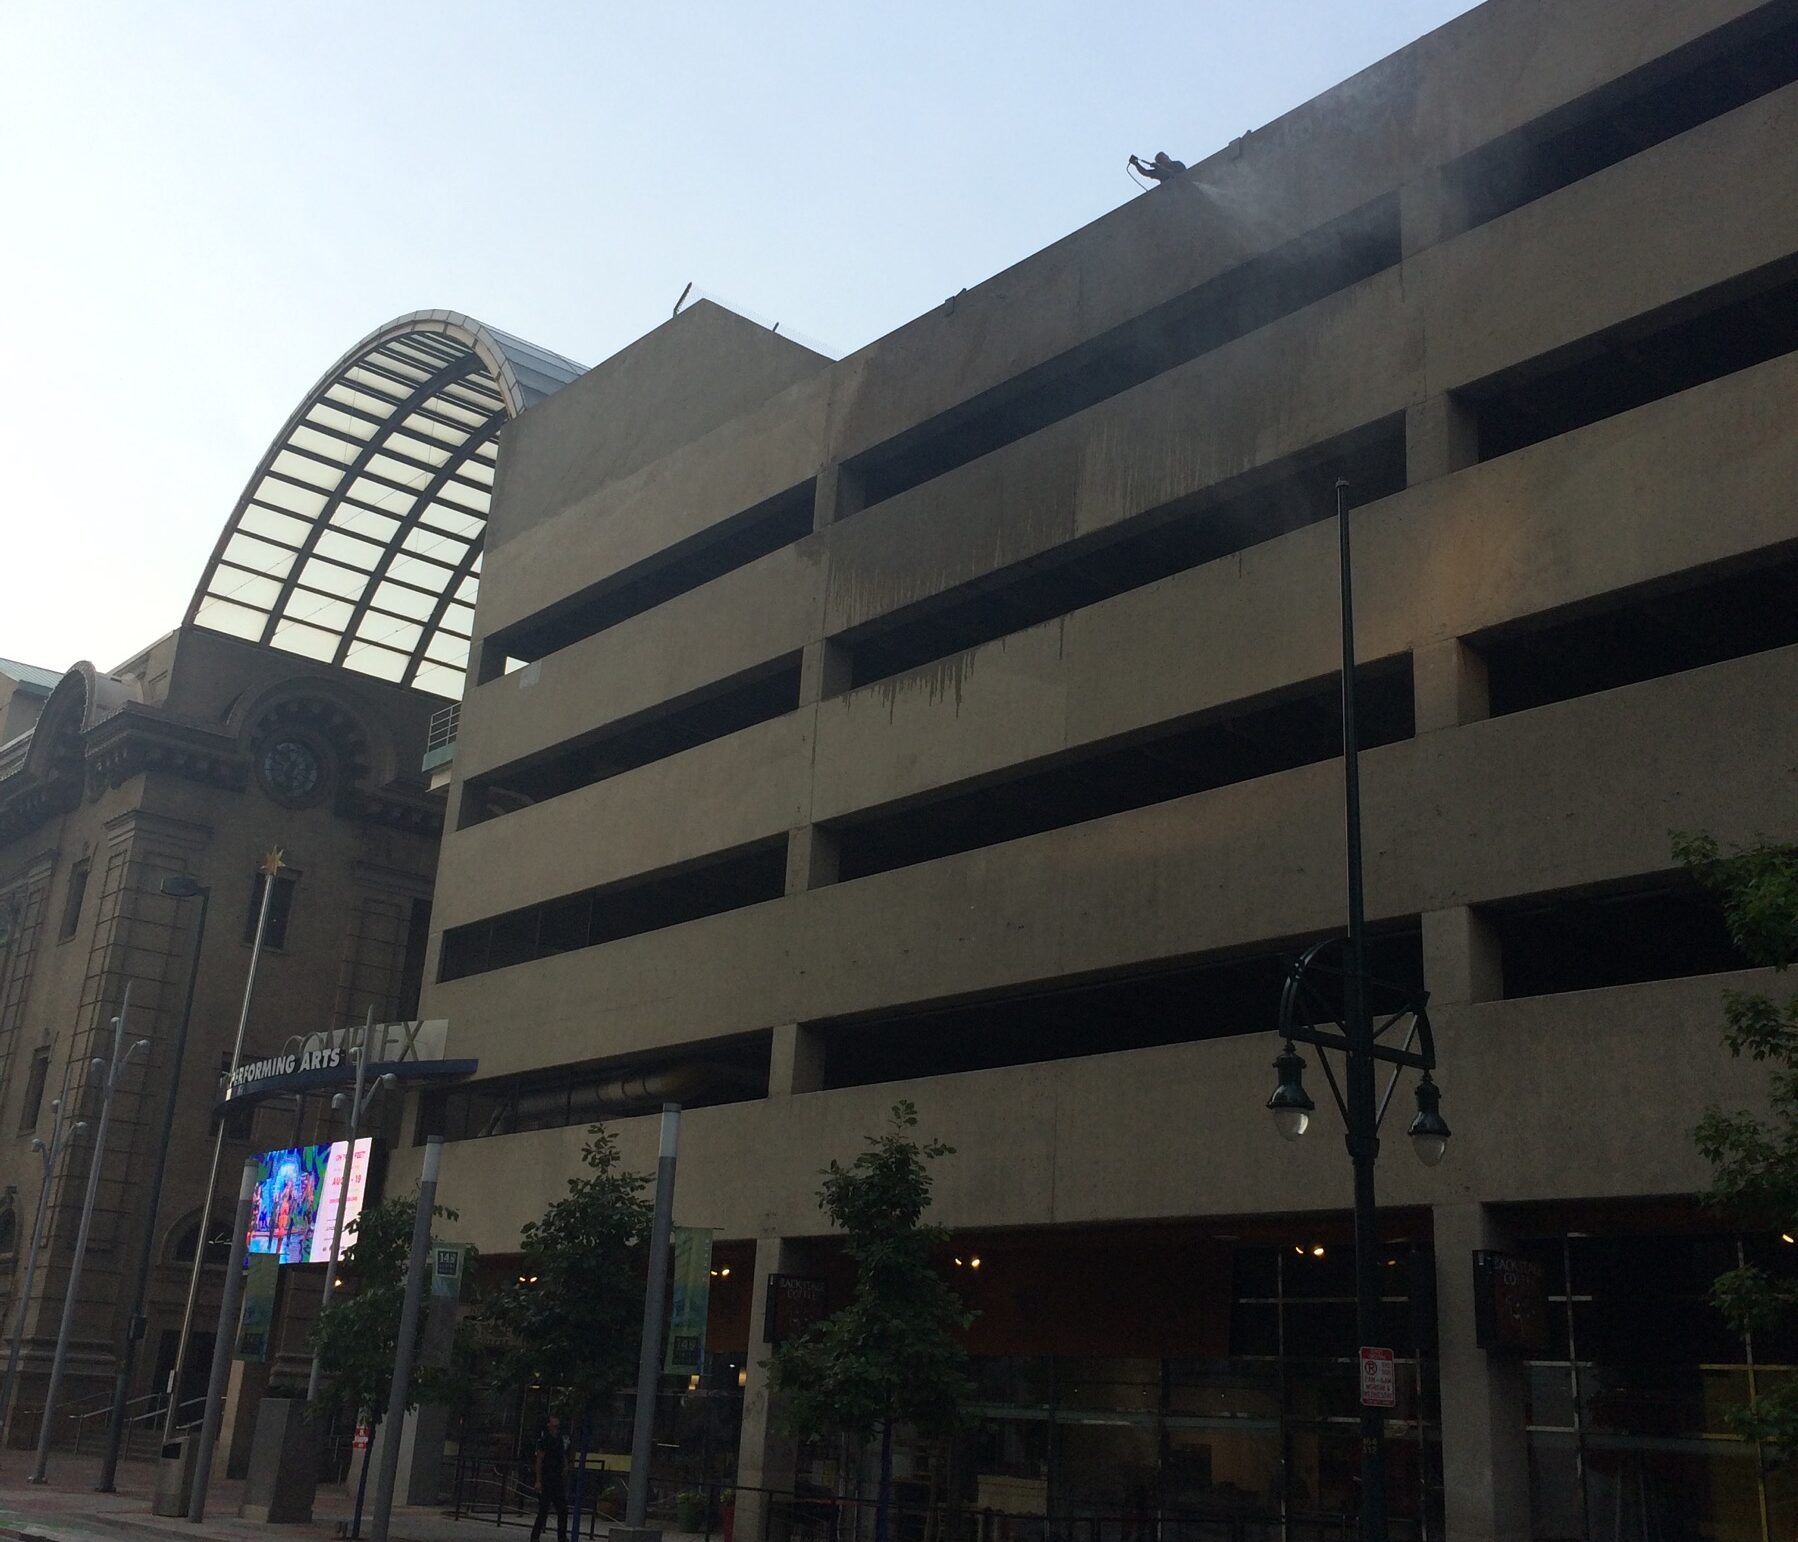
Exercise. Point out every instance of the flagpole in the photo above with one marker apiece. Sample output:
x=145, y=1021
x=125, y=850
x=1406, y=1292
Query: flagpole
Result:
x=271, y=866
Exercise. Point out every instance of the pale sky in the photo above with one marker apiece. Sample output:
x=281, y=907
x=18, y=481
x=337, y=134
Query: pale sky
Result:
x=203, y=205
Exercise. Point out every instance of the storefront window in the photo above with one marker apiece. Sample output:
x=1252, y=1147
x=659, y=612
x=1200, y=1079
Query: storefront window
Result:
x=1628, y=1412
x=1263, y=1445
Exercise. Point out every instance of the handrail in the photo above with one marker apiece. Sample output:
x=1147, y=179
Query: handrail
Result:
x=153, y=1408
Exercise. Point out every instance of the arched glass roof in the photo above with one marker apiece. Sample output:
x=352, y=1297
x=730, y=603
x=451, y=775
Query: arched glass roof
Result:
x=358, y=539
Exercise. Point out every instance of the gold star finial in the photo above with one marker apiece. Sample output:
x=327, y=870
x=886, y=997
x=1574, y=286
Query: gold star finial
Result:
x=272, y=863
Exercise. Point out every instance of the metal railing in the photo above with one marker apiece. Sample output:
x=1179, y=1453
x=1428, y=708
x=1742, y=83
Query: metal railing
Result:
x=440, y=736
x=148, y=1417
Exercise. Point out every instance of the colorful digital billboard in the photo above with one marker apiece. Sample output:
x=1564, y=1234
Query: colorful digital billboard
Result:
x=298, y=1191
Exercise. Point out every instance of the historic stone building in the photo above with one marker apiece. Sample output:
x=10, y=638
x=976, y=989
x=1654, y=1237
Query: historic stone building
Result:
x=291, y=709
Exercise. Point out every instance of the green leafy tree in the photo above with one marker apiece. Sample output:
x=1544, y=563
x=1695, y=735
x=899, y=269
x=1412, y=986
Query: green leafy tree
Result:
x=1754, y=1157
x=573, y=1323
x=893, y=1354
x=358, y=1338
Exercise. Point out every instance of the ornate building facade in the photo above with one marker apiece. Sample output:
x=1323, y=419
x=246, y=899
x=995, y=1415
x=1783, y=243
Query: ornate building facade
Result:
x=290, y=709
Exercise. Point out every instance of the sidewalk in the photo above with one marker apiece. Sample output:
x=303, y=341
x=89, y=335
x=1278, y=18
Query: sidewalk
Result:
x=66, y=1509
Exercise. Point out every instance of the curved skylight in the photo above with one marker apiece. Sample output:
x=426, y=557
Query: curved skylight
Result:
x=358, y=539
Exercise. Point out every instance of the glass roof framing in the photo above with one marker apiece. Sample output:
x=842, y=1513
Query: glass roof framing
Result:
x=358, y=540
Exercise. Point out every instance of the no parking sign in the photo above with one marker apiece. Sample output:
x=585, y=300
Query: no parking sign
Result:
x=1379, y=1378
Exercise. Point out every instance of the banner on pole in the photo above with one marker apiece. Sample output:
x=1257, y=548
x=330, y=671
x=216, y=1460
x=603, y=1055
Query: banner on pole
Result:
x=443, y=1311
x=262, y=1273
x=691, y=1301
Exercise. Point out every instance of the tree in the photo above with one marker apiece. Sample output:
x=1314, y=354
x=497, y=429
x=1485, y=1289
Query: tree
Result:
x=893, y=1354
x=1754, y=1157
x=358, y=1339
x=573, y=1322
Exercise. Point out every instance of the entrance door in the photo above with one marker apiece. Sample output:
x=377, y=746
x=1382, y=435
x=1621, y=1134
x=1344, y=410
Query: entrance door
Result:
x=194, y=1375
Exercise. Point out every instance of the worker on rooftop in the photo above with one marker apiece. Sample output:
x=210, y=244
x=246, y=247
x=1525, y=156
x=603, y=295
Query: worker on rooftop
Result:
x=1164, y=168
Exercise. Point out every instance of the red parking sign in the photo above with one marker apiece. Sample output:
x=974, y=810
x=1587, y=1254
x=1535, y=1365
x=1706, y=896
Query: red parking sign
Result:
x=360, y=1443
x=1379, y=1379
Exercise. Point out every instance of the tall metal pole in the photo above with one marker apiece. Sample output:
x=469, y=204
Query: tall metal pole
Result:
x=649, y=1363
x=343, y=1196
x=59, y=1137
x=135, y=1326
x=1363, y=1108
x=112, y=1070
x=406, y=1350
x=221, y=1344
x=271, y=865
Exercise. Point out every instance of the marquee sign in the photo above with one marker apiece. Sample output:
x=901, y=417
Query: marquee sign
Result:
x=412, y=1050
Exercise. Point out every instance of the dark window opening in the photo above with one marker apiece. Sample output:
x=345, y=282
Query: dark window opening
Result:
x=412, y=960
x=1209, y=999
x=604, y=914
x=1579, y=942
x=1718, y=332
x=699, y=717
x=1295, y=491
x=35, y=1081
x=732, y=543
x=1642, y=634
x=280, y=909
x=1713, y=76
x=1247, y=740
x=73, y=898
x=1261, y=290
x=218, y=1242
x=733, y=1072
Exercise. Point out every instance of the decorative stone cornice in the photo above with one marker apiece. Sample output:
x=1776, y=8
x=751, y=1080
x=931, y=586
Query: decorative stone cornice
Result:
x=135, y=741
x=138, y=740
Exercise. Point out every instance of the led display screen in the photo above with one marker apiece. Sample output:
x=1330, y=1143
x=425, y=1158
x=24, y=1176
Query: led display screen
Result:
x=298, y=1191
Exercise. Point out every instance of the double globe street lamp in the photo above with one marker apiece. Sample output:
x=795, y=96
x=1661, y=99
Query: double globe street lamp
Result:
x=1325, y=1003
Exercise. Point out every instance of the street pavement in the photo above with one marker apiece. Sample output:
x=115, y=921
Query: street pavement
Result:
x=66, y=1509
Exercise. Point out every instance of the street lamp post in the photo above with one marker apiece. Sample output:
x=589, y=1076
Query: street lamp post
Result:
x=111, y=1070
x=358, y=1104
x=229, y=1299
x=1327, y=1006
x=47, y=1152
x=271, y=867
x=399, y=1394
x=178, y=887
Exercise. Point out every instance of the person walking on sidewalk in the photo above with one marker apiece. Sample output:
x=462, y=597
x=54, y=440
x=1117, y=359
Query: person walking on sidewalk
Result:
x=552, y=1479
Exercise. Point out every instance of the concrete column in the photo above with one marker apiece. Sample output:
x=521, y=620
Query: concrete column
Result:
x=1430, y=210
x=811, y=859
x=836, y=495
x=765, y=1456
x=243, y=1397
x=1448, y=685
x=1441, y=435
x=1462, y=962
x=796, y=1060
x=823, y=671
x=1485, y=1457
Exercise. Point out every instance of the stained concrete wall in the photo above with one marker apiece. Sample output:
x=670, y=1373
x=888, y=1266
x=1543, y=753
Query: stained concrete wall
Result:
x=1565, y=268
x=1447, y=558
x=1568, y=794
x=1469, y=812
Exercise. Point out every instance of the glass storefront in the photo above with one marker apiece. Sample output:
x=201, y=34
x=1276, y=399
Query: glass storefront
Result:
x=1262, y=1443
x=1629, y=1439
